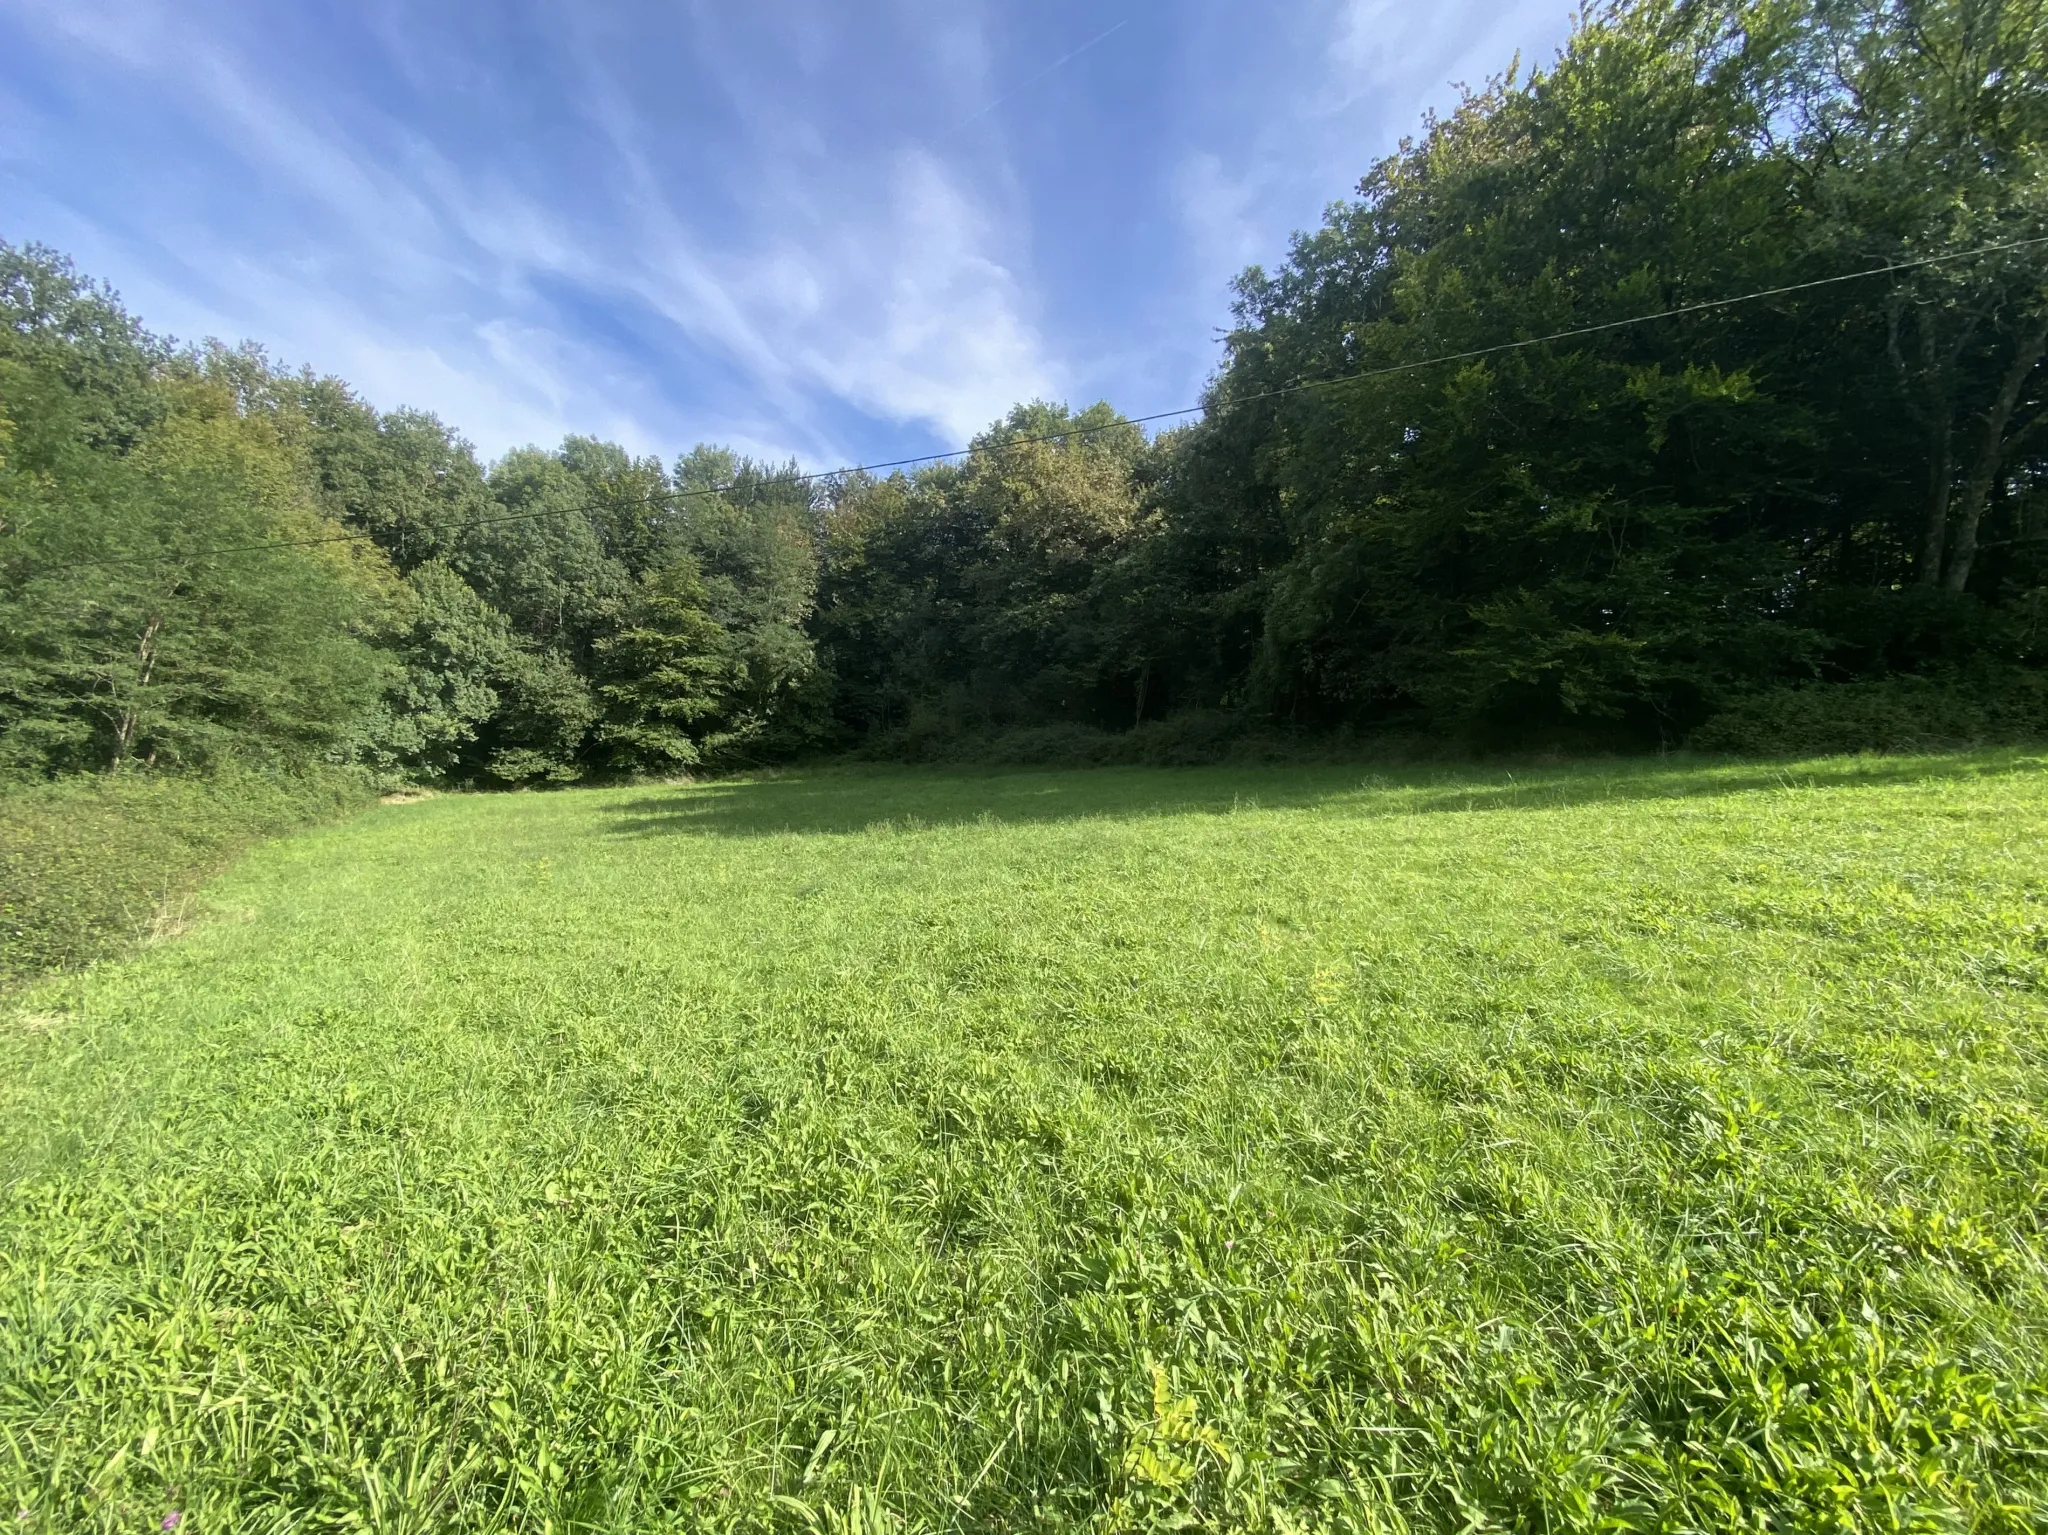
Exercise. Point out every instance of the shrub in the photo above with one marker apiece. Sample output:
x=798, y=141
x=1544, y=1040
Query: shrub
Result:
x=91, y=865
x=1887, y=714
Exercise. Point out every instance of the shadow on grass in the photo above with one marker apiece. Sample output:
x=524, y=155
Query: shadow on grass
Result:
x=842, y=801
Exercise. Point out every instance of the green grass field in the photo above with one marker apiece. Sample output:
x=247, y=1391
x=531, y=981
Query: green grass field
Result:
x=1658, y=1147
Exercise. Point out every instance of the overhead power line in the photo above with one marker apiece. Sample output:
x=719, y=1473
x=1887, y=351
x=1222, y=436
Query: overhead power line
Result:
x=1306, y=387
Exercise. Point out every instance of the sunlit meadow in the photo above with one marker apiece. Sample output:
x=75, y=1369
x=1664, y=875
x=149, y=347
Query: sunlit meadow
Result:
x=1655, y=1146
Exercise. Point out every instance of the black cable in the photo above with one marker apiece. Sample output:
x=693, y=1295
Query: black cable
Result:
x=1111, y=426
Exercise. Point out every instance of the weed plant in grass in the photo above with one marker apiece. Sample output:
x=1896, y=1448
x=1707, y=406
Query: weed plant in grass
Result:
x=1656, y=1147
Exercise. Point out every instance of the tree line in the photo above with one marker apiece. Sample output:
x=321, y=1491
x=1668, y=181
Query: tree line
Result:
x=1633, y=535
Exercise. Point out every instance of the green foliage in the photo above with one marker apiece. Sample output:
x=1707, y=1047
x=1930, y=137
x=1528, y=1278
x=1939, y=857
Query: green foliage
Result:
x=1577, y=530
x=404, y=479
x=1649, y=1148
x=751, y=533
x=1932, y=138
x=89, y=866
x=668, y=668
x=1888, y=714
x=991, y=588
x=204, y=557
x=1606, y=539
x=82, y=360
x=461, y=659
x=1402, y=512
x=117, y=644
x=542, y=562
x=539, y=733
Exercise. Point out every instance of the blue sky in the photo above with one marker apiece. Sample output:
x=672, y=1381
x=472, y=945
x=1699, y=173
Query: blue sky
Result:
x=835, y=231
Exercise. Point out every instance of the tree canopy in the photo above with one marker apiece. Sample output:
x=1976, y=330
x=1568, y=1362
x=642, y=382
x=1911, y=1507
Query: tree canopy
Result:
x=1449, y=478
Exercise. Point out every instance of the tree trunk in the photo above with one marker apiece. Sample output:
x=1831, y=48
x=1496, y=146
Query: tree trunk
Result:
x=1940, y=490
x=1144, y=684
x=1991, y=453
x=124, y=728
x=1935, y=373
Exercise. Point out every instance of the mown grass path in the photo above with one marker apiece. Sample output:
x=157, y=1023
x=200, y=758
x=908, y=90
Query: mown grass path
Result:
x=1653, y=1147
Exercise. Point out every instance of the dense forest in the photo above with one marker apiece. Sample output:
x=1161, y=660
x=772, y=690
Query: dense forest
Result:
x=1811, y=519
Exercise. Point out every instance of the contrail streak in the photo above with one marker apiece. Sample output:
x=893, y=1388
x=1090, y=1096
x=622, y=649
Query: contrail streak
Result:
x=1016, y=90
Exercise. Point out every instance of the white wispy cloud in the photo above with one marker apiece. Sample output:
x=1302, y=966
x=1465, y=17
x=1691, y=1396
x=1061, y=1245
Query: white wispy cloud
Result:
x=895, y=299
x=1363, y=74
x=430, y=282
x=1379, y=42
x=1220, y=209
x=798, y=226
x=939, y=330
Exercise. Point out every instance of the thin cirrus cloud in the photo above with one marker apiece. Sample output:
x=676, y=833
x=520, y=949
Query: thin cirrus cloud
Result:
x=1364, y=74
x=798, y=227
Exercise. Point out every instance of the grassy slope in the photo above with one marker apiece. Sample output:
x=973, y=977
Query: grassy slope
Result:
x=1664, y=1144
x=90, y=866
